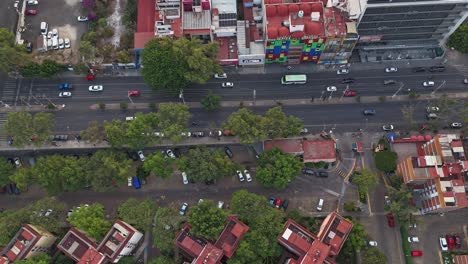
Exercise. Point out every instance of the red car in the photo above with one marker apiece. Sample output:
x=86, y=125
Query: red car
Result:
x=350, y=93
x=450, y=241
x=277, y=203
x=390, y=219
x=30, y=12
x=416, y=253
x=90, y=77
x=133, y=93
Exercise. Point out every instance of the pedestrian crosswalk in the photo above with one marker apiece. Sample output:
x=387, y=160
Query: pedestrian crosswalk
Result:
x=3, y=135
x=9, y=92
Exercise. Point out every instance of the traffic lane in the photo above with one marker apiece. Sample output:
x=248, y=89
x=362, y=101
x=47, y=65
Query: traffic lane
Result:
x=8, y=15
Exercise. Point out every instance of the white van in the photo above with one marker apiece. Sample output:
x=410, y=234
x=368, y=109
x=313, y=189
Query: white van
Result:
x=55, y=43
x=44, y=28
x=320, y=205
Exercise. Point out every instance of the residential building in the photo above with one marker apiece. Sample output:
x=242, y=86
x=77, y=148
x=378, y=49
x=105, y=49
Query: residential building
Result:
x=407, y=29
x=319, y=150
x=120, y=241
x=201, y=251
x=434, y=168
x=308, y=248
x=28, y=241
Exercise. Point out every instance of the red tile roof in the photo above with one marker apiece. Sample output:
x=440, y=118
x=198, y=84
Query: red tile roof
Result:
x=141, y=38
x=460, y=259
x=146, y=15
x=461, y=200
x=319, y=150
x=92, y=256
x=209, y=255
x=3, y=260
x=231, y=236
x=75, y=244
x=293, y=146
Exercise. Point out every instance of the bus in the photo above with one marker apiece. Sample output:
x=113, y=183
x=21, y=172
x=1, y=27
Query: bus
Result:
x=294, y=79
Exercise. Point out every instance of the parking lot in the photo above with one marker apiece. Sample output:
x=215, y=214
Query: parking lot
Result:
x=62, y=15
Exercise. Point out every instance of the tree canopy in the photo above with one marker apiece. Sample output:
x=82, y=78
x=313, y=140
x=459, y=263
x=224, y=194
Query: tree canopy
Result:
x=41, y=258
x=276, y=169
x=159, y=165
x=90, y=219
x=278, y=125
x=106, y=168
x=211, y=101
x=400, y=204
x=166, y=221
x=373, y=255
x=207, y=220
x=173, y=120
x=12, y=56
x=459, y=39
x=94, y=133
x=137, y=213
x=6, y=171
x=386, y=160
x=365, y=180
x=25, y=128
x=203, y=164
x=171, y=64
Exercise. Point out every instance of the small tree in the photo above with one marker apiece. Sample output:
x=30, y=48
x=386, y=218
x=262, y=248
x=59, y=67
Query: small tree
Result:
x=459, y=39
x=94, y=133
x=211, y=101
x=124, y=105
x=158, y=164
x=207, y=220
x=276, y=169
x=365, y=181
x=102, y=106
x=386, y=161
x=90, y=219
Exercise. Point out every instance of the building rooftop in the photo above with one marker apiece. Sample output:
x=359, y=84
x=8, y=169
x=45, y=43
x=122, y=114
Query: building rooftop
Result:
x=334, y=231
x=335, y=23
x=293, y=146
x=319, y=150
x=232, y=235
x=197, y=21
x=146, y=12
x=92, y=256
x=116, y=239
x=460, y=259
x=24, y=241
x=75, y=244
x=189, y=244
x=210, y=254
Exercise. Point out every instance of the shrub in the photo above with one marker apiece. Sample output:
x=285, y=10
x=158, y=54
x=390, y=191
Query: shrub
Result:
x=124, y=105
x=102, y=106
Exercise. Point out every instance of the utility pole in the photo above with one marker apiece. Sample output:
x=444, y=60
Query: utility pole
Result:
x=440, y=86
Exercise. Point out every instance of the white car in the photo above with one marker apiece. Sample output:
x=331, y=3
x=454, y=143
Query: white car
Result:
x=15, y=5
x=184, y=178
x=65, y=94
x=49, y=35
x=227, y=85
x=241, y=177
x=129, y=181
x=413, y=239
x=432, y=109
x=428, y=84
x=54, y=33
x=387, y=127
x=17, y=162
x=32, y=2
x=456, y=125
x=373, y=243
x=141, y=155
x=391, y=69
x=183, y=209
x=95, y=88
x=342, y=71
x=61, y=43
x=82, y=18
x=170, y=154
x=220, y=76
x=129, y=118
x=67, y=43
x=185, y=134
x=247, y=176
x=443, y=243
x=159, y=134
x=220, y=204
x=331, y=89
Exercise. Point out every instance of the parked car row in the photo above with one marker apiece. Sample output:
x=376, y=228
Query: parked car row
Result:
x=312, y=172
x=241, y=175
x=277, y=203
x=10, y=188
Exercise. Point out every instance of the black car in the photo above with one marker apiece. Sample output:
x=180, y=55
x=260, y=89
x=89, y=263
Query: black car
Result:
x=437, y=69
x=388, y=82
x=133, y=155
x=323, y=174
x=285, y=204
x=419, y=69
x=348, y=80
x=228, y=152
x=308, y=171
x=29, y=47
x=369, y=112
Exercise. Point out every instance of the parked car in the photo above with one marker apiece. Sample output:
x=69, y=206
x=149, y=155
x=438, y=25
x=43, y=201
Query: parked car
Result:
x=387, y=127
x=215, y=133
x=170, y=154
x=413, y=239
x=431, y=116
x=183, y=209
x=416, y=253
x=227, y=85
x=412, y=225
x=437, y=69
x=308, y=171
x=82, y=18
x=240, y=176
x=331, y=89
x=186, y=134
x=285, y=204
x=32, y=2
x=348, y=80
x=61, y=44
x=277, y=203
x=450, y=241
x=184, y=178
x=220, y=75
x=67, y=43
x=247, y=176
x=372, y=243
x=456, y=125
x=220, y=204
x=390, y=220
x=320, y=205
x=457, y=240
x=136, y=182
x=18, y=162
x=198, y=134
x=141, y=155
x=342, y=71
x=349, y=93
x=443, y=243
x=228, y=152
x=432, y=109
x=391, y=69
x=30, y=12
x=96, y=88
x=388, y=82
x=369, y=112
x=428, y=84
x=323, y=174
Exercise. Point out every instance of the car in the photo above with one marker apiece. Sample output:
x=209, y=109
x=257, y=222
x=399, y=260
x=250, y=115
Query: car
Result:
x=129, y=181
x=170, y=153
x=158, y=134
x=271, y=200
x=227, y=85
x=220, y=75
x=450, y=241
x=432, y=109
x=76, y=209
x=46, y=212
x=227, y=132
x=413, y=239
x=320, y=205
x=419, y=69
x=428, y=84
x=129, y=118
x=17, y=161
x=30, y=12
x=16, y=4
x=65, y=94
x=32, y=2
x=240, y=176
x=372, y=243
x=431, y=116
x=90, y=77
x=49, y=35
x=412, y=225
x=184, y=178
x=369, y=112
x=443, y=243
x=387, y=127
x=456, y=125
x=304, y=131
x=348, y=80
x=141, y=155
x=308, y=171
x=65, y=86
x=220, y=204
x=61, y=43
x=390, y=220
x=388, y=82
x=391, y=69
x=183, y=209
x=342, y=71
x=247, y=176
x=44, y=28
x=387, y=200
x=198, y=134
x=96, y=88
x=416, y=253
x=322, y=174
x=349, y=93
x=215, y=133
x=54, y=33
x=228, y=152
x=66, y=42
x=185, y=134
x=437, y=69
x=132, y=155
x=29, y=47
x=465, y=81
x=331, y=89
x=457, y=240
x=131, y=93
x=82, y=18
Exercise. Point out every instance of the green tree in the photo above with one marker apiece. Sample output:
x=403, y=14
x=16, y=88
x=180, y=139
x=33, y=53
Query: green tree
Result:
x=62, y=259
x=357, y=237
x=10, y=222
x=23, y=177
x=386, y=161
x=276, y=169
x=277, y=124
x=173, y=119
x=140, y=131
x=166, y=221
x=94, y=133
x=42, y=125
x=459, y=39
x=49, y=68
x=6, y=171
x=127, y=260
x=162, y=260
x=366, y=180
x=159, y=165
x=87, y=50
x=47, y=213
x=108, y=168
x=373, y=255
x=207, y=220
x=136, y=213
x=116, y=132
x=171, y=64
x=246, y=125
x=211, y=102
x=12, y=56
x=23, y=127
x=32, y=69
x=130, y=14
x=400, y=204
x=40, y=258
x=203, y=164
x=123, y=56
x=90, y=219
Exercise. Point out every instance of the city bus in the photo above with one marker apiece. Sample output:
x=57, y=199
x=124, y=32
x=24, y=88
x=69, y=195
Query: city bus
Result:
x=294, y=79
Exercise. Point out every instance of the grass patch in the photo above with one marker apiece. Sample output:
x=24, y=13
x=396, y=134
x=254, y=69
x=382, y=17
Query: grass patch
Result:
x=406, y=245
